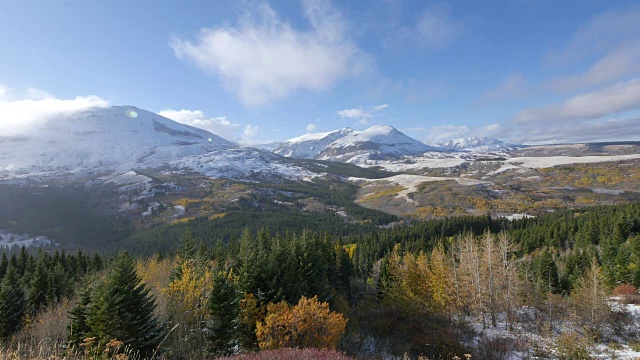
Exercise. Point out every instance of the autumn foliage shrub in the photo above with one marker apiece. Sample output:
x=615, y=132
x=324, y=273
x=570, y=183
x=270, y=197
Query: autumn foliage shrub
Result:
x=628, y=294
x=310, y=323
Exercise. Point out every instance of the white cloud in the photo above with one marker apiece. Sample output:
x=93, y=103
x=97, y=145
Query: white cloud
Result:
x=362, y=114
x=249, y=135
x=311, y=127
x=4, y=92
x=263, y=58
x=441, y=133
x=220, y=125
x=20, y=112
x=605, y=32
x=436, y=27
x=612, y=38
x=615, y=65
x=616, y=98
x=569, y=132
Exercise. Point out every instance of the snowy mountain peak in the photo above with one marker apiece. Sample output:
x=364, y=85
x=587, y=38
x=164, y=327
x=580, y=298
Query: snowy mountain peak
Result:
x=484, y=144
x=379, y=142
x=99, y=140
x=309, y=146
x=381, y=129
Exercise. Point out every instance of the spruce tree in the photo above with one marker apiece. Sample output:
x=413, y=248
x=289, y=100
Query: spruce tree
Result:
x=224, y=308
x=78, y=327
x=12, y=304
x=4, y=264
x=38, y=286
x=546, y=272
x=121, y=308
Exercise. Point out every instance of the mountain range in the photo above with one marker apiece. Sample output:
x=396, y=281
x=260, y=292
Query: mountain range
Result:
x=379, y=142
x=118, y=139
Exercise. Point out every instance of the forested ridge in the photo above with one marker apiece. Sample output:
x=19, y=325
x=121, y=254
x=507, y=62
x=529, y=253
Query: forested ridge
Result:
x=418, y=289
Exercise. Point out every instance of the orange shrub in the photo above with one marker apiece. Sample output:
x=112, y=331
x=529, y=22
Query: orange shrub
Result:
x=308, y=324
x=628, y=293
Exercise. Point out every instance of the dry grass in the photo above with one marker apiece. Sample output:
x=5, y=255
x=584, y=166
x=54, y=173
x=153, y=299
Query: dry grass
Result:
x=292, y=354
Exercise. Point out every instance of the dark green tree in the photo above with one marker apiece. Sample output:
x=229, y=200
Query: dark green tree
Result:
x=78, y=327
x=121, y=308
x=4, y=264
x=546, y=272
x=224, y=308
x=12, y=304
x=38, y=288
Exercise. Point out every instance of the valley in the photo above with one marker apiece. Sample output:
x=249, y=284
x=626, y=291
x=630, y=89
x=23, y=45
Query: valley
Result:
x=172, y=175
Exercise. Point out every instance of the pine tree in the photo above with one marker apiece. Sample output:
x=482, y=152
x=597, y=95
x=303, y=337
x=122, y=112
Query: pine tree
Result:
x=121, y=308
x=224, y=309
x=78, y=327
x=37, y=292
x=12, y=304
x=4, y=264
x=546, y=272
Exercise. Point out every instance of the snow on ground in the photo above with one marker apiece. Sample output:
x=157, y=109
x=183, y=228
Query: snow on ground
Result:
x=8, y=240
x=416, y=163
x=432, y=160
x=545, y=162
x=180, y=210
x=598, y=351
x=410, y=183
x=130, y=177
x=240, y=163
x=518, y=216
x=607, y=191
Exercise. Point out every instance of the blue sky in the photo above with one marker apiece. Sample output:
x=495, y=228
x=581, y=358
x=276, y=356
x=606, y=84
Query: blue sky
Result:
x=532, y=71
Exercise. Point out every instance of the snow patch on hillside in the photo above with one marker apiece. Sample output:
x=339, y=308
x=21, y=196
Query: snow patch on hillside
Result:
x=545, y=162
x=242, y=163
x=8, y=240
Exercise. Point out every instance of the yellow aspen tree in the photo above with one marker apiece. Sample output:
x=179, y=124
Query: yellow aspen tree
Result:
x=441, y=282
x=589, y=298
x=488, y=271
x=509, y=280
x=413, y=274
x=469, y=279
x=190, y=292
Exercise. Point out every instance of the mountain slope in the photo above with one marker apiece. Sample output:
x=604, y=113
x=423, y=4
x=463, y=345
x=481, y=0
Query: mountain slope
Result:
x=379, y=142
x=100, y=140
x=309, y=146
x=478, y=144
x=119, y=139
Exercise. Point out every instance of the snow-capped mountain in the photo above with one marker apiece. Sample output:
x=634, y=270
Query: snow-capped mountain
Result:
x=98, y=140
x=478, y=144
x=379, y=142
x=118, y=139
x=309, y=146
x=242, y=163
